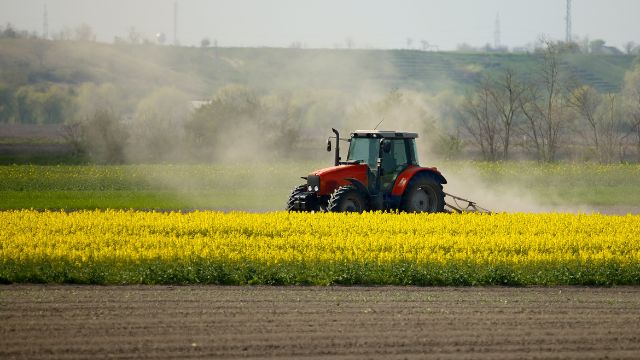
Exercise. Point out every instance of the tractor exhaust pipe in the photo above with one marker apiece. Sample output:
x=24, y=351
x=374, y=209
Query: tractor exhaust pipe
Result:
x=337, y=158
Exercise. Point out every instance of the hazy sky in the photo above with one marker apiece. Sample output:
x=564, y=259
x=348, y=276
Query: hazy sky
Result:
x=328, y=23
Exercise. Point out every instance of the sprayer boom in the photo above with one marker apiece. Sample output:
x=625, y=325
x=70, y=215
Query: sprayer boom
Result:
x=466, y=206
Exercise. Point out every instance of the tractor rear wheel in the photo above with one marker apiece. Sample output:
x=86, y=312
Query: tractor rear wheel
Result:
x=347, y=199
x=423, y=194
x=296, y=191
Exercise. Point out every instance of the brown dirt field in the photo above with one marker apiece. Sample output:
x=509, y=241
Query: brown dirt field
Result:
x=168, y=322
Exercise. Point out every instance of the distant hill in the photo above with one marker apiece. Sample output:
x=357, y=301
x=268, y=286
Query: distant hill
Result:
x=200, y=71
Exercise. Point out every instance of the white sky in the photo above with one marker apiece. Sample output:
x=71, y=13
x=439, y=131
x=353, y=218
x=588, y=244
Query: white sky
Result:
x=327, y=23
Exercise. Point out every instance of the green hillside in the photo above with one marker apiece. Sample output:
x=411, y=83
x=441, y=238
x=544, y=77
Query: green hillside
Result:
x=200, y=71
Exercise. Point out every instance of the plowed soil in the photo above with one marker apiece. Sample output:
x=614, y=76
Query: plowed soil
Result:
x=165, y=322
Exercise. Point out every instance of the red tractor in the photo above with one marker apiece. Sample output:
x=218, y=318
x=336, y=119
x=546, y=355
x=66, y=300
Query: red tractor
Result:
x=381, y=172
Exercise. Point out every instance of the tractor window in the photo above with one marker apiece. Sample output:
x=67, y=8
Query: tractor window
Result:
x=399, y=152
x=411, y=150
x=397, y=157
x=365, y=150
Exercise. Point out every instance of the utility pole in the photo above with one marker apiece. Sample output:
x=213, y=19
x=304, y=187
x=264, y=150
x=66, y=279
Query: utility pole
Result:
x=568, y=32
x=496, y=33
x=175, y=23
x=45, y=23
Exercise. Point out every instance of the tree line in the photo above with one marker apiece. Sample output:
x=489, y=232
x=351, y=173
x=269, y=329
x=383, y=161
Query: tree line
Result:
x=542, y=113
x=50, y=104
x=237, y=123
x=547, y=114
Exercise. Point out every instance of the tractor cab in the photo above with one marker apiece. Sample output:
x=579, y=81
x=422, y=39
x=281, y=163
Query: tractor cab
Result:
x=395, y=151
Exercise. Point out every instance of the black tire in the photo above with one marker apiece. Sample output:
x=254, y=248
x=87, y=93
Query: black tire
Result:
x=423, y=194
x=347, y=199
x=296, y=191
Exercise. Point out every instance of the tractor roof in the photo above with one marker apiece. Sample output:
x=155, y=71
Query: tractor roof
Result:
x=384, y=134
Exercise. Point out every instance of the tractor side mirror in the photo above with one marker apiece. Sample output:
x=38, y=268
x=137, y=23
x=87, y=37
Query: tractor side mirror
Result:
x=386, y=146
x=328, y=145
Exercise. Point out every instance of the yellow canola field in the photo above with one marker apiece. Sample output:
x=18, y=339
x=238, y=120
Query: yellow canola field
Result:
x=325, y=248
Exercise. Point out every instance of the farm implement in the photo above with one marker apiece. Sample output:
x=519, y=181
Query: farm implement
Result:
x=381, y=172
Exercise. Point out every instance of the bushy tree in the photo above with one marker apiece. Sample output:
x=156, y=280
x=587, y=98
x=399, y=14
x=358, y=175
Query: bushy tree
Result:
x=157, y=127
x=239, y=123
x=102, y=136
x=7, y=104
x=27, y=105
x=91, y=97
x=285, y=116
x=56, y=105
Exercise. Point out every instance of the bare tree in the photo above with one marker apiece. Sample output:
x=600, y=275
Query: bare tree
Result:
x=603, y=117
x=506, y=96
x=545, y=107
x=612, y=134
x=102, y=136
x=635, y=124
x=631, y=101
x=585, y=100
x=481, y=121
x=72, y=132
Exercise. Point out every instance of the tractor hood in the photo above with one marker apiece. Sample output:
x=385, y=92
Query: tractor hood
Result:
x=329, y=179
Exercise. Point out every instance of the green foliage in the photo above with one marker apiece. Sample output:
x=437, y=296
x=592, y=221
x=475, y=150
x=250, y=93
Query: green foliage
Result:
x=239, y=123
x=26, y=105
x=253, y=186
x=255, y=273
x=30, y=105
x=262, y=186
x=279, y=96
x=137, y=69
x=7, y=104
x=562, y=184
x=56, y=105
x=91, y=97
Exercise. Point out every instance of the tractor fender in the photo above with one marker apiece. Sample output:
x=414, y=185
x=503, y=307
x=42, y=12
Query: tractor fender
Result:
x=405, y=177
x=359, y=185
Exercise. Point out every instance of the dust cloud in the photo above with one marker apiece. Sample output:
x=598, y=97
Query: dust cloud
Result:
x=497, y=194
x=245, y=145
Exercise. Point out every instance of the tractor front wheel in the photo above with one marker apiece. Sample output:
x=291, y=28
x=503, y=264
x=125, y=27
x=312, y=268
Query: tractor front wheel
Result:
x=296, y=191
x=347, y=199
x=423, y=194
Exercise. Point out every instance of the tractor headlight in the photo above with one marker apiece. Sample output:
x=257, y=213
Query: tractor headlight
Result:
x=313, y=183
